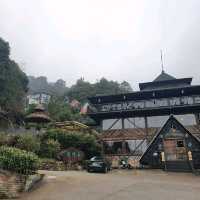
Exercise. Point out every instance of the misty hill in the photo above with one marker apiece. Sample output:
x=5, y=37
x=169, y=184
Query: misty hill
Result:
x=80, y=90
x=41, y=84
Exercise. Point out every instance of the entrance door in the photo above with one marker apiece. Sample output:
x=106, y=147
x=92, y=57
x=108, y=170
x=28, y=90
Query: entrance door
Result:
x=176, y=158
x=170, y=150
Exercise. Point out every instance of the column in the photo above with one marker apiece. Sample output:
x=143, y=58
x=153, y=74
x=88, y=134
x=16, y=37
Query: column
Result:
x=146, y=127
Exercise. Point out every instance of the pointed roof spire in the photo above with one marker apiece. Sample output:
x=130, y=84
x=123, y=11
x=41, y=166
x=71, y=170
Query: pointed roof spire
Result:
x=161, y=57
x=164, y=77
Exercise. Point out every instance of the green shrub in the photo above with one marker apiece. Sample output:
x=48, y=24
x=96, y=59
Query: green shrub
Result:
x=8, y=139
x=28, y=142
x=82, y=141
x=50, y=148
x=17, y=160
x=3, y=139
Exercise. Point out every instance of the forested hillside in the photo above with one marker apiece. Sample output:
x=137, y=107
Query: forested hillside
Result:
x=13, y=81
x=80, y=90
x=41, y=84
x=15, y=85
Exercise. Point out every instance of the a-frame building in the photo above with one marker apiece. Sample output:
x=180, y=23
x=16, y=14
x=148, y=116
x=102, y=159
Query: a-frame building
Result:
x=173, y=148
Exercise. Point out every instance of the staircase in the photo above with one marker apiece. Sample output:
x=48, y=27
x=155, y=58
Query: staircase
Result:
x=183, y=166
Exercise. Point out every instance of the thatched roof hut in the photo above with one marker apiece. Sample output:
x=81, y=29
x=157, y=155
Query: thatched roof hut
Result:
x=39, y=115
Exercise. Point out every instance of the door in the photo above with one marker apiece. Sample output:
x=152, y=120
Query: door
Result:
x=175, y=150
x=176, y=158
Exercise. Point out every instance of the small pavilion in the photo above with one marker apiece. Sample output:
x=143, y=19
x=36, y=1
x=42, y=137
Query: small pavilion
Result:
x=39, y=115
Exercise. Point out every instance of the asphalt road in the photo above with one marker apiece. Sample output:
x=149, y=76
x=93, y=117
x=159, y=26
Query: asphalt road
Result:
x=117, y=185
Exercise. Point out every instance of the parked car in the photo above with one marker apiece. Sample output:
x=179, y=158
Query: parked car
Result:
x=98, y=164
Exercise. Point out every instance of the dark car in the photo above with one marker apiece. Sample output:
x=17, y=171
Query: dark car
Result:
x=98, y=164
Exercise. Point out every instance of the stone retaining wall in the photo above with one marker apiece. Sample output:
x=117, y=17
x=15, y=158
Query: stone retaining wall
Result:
x=11, y=184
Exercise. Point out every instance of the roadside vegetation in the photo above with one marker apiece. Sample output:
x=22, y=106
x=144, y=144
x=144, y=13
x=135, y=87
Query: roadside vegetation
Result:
x=25, y=153
x=17, y=150
x=16, y=160
x=27, y=147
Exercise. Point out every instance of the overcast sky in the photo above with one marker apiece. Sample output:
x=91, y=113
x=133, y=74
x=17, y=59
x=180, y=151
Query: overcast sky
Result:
x=116, y=39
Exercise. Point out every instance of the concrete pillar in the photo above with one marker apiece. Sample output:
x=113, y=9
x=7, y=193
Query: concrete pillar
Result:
x=123, y=123
x=123, y=146
x=146, y=127
x=101, y=125
x=197, y=118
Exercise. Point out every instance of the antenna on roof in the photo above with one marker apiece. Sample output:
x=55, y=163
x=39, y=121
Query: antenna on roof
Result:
x=161, y=57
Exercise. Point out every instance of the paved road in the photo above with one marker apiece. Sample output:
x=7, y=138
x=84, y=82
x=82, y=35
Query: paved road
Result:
x=117, y=185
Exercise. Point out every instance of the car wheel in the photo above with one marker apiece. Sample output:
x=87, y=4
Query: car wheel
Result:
x=88, y=170
x=105, y=170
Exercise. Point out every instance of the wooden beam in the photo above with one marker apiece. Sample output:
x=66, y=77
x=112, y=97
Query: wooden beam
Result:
x=133, y=123
x=122, y=139
x=113, y=124
x=136, y=148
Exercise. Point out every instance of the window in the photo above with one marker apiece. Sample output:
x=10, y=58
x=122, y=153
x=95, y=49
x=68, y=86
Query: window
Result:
x=180, y=143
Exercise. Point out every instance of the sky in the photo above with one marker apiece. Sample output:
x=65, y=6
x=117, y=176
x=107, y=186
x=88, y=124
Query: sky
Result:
x=116, y=39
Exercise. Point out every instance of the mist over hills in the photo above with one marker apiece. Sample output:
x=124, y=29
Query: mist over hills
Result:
x=80, y=90
x=41, y=84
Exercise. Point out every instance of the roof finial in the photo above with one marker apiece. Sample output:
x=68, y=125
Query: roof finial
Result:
x=161, y=56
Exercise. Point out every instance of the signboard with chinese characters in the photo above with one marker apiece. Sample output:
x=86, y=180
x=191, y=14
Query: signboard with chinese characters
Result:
x=71, y=155
x=151, y=103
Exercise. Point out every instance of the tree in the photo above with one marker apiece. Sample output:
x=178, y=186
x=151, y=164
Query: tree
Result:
x=59, y=110
x=4, y=51
x=13, y=81
x=83, y=89
x=59, y=87
x=105, y=87
x=41, y=85
x=125, y=87
x=86, y=142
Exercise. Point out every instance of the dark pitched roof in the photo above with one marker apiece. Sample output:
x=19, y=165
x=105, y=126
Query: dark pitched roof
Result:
x=127, y=134
x=139, y=133
x=165, y=81
x=39, y=107
x=38, y=115
x=191, y=130
x=164, y=77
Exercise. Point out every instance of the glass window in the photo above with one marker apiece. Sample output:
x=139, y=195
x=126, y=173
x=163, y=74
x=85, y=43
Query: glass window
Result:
x=180, y=143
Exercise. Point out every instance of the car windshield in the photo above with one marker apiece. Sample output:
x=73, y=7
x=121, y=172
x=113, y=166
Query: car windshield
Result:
x=96, y=158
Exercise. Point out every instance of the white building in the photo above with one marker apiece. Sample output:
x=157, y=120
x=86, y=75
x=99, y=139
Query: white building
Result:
x=38, y=98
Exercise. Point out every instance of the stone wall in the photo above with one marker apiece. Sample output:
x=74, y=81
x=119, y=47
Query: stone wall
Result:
x=11, y=184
